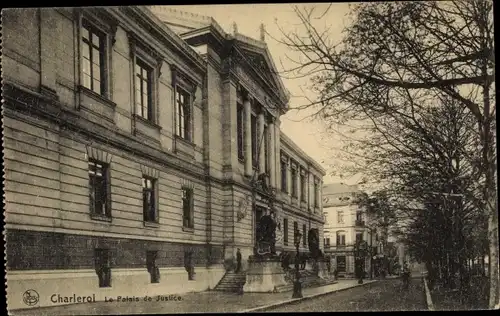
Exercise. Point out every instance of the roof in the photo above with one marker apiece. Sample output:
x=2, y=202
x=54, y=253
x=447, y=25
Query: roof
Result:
x=339, y=188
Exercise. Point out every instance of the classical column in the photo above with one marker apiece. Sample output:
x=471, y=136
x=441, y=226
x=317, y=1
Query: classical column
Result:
x=297, y=181
x=289, y=176
x=272, y=154
x=247, y=108
x=260, y=144
x=277, y=152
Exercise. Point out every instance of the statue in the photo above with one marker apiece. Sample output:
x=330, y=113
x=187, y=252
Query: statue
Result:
x=267, y=232
x=313, y=239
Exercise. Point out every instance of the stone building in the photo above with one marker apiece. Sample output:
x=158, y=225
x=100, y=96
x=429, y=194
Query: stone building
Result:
x=133, y=161
x=345, y=224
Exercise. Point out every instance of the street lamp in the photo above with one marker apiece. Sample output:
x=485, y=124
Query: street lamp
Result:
x=297, y=286
x=360, y=258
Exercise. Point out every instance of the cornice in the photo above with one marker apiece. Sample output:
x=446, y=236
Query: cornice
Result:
x=290, y=143
x=144, y=17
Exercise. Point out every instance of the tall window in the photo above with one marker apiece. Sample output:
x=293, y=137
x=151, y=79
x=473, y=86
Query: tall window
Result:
x=143, y=92
x=152, y=266
x=99, y=188
x=255, y=141
x=359, y=237
x=316, y=194
x=266, y=148
x=187, y=208
x=284, y=184
x=93, y=52
x=359, y=216
x=327, y=242
x=303, y=188
x=340, y=217
x=294, y=180
x=295, y=231
x=285, y=231
x=183, y=114
x=340, y=238
x=149, y=199
x=103, y=267
x=240, y=129
x=304, y=235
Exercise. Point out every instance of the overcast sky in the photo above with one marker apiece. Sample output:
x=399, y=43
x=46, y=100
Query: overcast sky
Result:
x=248, y=18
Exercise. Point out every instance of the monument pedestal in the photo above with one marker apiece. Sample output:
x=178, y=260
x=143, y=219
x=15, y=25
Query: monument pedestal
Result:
x=264, y=274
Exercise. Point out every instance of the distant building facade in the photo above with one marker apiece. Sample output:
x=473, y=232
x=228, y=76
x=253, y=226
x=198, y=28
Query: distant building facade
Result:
x=345, y=223
x=132, y=153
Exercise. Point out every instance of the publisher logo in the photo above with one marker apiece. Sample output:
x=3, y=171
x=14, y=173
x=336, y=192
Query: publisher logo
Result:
x=31, y=297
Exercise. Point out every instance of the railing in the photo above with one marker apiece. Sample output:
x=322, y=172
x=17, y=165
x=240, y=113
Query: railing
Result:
x=360, y=223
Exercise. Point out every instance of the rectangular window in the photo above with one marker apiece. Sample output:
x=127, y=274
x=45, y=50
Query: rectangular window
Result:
x=359, y=216
x=152, y=267
x=266, y=149
x=99, y=188
x=304, y=235
x=316, y=195
x=295, y=232
x=92, y=59
x=284, y=184
x=103, y=267
x=183, y=114
x=143, y=91
x=340, y=217
x=303, y=188
x=285, y=231
x=340, y=239
x=187, y=208
x=149, y=199
x=240, y=119
x=359, y=237
x=327, y=242
x=255, y=141
x=294, y=182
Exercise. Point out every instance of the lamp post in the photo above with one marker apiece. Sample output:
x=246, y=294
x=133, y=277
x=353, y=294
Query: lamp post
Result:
x=360, y=258
x=297, y=286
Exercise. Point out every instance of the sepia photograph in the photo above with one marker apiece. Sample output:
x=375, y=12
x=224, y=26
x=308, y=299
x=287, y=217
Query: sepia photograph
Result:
x=240, y=158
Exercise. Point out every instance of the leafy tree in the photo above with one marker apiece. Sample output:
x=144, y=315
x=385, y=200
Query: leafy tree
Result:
x=397, y=59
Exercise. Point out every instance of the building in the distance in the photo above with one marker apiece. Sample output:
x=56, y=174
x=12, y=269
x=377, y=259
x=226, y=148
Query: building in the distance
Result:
x=345, y=224
x=137, y=159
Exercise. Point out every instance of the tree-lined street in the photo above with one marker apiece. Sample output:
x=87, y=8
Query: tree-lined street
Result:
x=383, y=295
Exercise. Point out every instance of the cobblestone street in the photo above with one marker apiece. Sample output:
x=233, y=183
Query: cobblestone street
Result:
x=386, y=295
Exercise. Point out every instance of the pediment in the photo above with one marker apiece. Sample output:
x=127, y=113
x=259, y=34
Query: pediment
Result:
x=260, y=59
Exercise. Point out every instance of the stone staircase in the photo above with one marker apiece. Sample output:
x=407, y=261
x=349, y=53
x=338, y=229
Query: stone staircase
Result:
x=231, y=282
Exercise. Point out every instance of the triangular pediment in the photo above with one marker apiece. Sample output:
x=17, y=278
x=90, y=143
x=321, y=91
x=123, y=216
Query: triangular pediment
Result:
x=258, y=55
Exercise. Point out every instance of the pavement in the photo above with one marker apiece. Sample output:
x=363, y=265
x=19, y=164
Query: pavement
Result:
x=383, y=295
x=202, y=302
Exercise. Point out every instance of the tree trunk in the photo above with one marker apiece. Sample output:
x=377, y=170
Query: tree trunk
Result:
x=493, y=256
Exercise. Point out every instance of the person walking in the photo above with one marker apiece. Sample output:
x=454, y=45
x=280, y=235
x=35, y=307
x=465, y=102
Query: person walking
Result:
x=406, y=276
x=238, y=260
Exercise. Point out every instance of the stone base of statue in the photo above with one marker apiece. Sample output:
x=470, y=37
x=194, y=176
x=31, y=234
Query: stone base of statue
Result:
x=264, y=274
x=323, y=270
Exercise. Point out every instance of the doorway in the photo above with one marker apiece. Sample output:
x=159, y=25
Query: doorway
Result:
x=341, y=263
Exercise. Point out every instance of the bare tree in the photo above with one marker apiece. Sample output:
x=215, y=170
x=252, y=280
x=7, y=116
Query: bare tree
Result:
x=395, y=59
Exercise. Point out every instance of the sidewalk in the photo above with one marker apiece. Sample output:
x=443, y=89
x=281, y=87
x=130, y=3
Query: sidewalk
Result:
x=203, y=302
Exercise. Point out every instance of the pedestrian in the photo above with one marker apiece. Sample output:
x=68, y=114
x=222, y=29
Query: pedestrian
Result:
x=406, y=276
x=238, y=260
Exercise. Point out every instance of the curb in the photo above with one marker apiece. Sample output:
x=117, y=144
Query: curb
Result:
x=428, y=298
x=295, y=300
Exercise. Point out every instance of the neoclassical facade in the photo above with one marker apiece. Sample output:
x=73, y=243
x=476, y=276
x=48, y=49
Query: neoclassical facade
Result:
x=135, y=149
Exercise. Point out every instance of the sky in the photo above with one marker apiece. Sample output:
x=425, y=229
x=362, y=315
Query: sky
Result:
x=248, y=18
